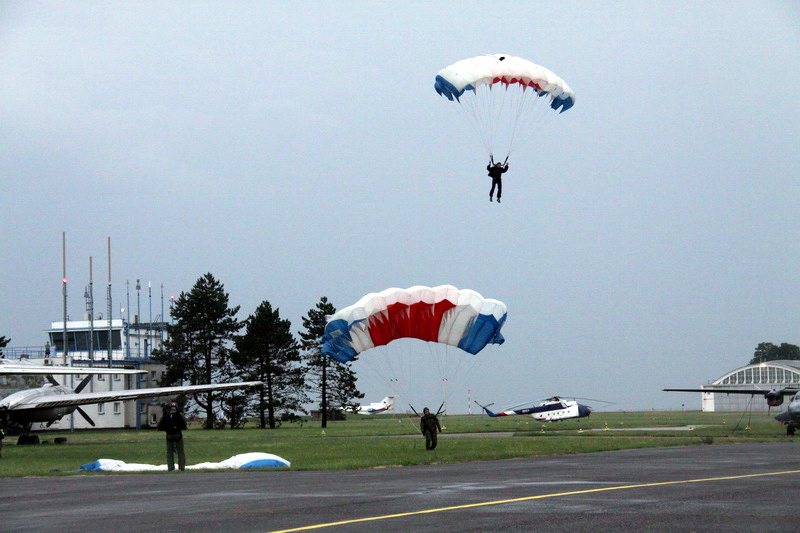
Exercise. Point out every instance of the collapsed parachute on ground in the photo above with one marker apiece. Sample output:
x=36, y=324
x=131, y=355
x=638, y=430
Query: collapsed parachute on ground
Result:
x=241, y=461
x=503, y=95
x=443, y=314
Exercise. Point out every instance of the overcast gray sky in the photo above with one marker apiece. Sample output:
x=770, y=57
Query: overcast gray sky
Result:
x=648, y=238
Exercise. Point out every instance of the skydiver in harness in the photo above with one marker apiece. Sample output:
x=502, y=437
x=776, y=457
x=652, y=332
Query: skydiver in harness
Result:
x=496, y=171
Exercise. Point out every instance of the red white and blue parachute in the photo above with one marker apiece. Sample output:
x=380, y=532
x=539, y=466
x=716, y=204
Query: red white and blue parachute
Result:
x=443, y=314
x=504, y=96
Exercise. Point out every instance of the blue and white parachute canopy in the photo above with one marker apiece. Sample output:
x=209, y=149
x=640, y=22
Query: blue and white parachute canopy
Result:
x=505, y=100
x=469, y=74
x=443, y=314
x=243, y=460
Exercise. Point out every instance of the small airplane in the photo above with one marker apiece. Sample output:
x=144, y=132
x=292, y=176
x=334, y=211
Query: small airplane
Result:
x=774, y=397
x=552, y=409
x=52, y=401
x=374, y=408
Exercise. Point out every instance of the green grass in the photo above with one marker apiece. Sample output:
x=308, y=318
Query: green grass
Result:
x=389, y=440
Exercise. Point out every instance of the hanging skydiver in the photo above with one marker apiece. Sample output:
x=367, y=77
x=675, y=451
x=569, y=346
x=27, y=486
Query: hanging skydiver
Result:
x=496, y=171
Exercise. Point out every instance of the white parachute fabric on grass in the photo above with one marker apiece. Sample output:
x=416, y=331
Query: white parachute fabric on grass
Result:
x=506, y=99
x=241, y=461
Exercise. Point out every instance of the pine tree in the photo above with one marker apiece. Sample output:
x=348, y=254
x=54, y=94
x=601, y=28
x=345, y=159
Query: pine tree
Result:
x=198, y=343
x=333, y=382
x=268, y=352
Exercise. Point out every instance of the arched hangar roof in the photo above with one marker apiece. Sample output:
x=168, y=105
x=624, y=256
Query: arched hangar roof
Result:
x=766, y=373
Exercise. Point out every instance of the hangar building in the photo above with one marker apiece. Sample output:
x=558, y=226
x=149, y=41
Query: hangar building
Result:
x=767, y=375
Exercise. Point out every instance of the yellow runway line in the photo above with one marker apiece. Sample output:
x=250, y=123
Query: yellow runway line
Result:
x=528, y=498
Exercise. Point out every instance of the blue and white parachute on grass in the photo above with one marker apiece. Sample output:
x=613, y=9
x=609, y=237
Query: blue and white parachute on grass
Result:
x=241, y=461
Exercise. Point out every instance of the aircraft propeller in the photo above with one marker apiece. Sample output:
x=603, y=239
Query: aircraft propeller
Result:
x=85, y=416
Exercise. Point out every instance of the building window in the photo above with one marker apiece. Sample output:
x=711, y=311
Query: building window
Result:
x=101, y=408
x=117, y=408
x=142, y=408
x=101, y=377
x=153, y=419
x=116, y=377
x=152, y=375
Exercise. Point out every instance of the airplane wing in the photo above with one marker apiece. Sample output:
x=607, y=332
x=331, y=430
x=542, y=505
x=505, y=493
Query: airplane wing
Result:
x=69, y=400
x=7, y=368
x=787, y=391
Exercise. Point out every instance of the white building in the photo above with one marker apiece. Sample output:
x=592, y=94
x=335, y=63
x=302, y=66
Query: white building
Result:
x=88, y=345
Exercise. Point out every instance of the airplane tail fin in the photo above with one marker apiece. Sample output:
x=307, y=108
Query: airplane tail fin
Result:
x=486, y=408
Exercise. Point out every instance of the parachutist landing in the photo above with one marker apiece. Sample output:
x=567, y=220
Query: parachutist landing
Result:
x=496, y=172
x=429, y=426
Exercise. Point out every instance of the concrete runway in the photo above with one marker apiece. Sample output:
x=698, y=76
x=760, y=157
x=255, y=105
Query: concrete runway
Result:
x=738, y=487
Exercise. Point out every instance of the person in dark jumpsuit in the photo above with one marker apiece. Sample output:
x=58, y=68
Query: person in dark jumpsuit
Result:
x=496, y=172
x=173, y=424
x=429, y=426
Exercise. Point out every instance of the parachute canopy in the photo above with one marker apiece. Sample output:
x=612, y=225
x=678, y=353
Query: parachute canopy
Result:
x=442, y=314
x=505, y=97
x=469, y=74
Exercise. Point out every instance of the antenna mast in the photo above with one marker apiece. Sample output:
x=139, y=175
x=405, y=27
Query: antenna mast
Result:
x=64, y=290
x=108, y=298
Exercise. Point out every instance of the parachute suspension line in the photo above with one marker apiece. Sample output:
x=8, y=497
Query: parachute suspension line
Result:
x=519, y=109
x=469, y=109
x=398, y=362
x=534, y=113
x=380, y=369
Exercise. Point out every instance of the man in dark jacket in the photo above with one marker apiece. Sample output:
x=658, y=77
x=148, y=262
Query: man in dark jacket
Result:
x=429, y=426
x=173, y=423
x=496, y=172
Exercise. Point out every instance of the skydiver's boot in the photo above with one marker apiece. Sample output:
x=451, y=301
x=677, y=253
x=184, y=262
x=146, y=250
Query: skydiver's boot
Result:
x=498, y=199
x=490, y=197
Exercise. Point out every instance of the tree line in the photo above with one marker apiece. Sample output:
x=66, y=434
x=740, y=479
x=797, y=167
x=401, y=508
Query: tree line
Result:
x=206, y=343
x=766, y=351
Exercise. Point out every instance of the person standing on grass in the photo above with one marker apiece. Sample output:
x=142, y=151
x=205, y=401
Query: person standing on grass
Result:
x=173, y=424
x=430, y=427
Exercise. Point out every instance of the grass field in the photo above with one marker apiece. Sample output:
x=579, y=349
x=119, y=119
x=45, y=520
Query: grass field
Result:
x=394, y=440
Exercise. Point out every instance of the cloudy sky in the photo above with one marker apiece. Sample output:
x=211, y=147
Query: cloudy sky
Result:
x=647, y=238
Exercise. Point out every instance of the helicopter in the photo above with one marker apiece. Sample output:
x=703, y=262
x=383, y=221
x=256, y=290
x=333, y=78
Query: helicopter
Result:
x=553, y=409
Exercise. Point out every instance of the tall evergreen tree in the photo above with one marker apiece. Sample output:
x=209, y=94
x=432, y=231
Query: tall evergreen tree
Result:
x=3, y=343
x=334, y=383
x=268, y=352
x=198, y=343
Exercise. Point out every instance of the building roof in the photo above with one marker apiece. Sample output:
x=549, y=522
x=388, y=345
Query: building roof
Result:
x=781, y=372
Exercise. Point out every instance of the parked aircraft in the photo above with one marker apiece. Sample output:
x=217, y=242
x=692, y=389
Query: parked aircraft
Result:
x=550, y=410
x=774, y=397
x=378, y=407
x=52, y=401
